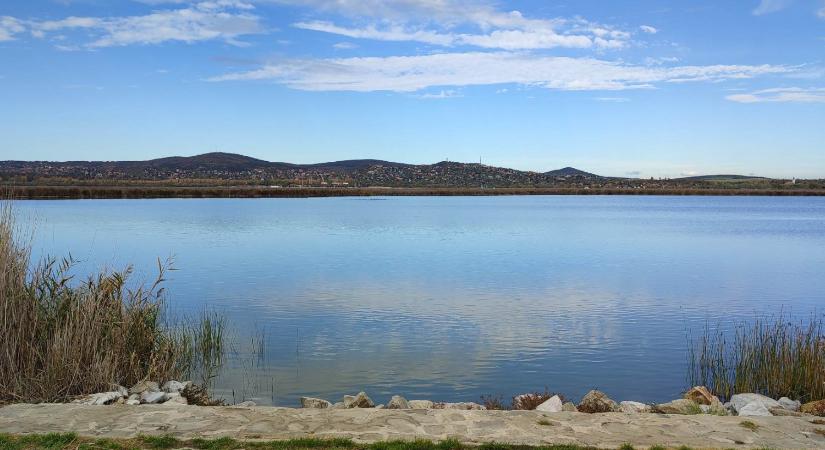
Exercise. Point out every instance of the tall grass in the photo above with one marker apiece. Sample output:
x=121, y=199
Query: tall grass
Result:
x=61, y=338
x=771, y=356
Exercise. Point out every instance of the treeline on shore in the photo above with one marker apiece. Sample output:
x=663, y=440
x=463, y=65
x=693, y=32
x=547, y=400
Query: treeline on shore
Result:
x=39, y=192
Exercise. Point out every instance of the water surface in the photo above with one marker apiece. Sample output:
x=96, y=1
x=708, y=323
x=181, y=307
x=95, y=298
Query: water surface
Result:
x=450, y=298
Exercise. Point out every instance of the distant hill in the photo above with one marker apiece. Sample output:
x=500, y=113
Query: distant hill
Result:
x=234, y=168
x=571, y=172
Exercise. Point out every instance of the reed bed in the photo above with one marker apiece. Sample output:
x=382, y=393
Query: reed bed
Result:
x=772, y=356
x=60, y=338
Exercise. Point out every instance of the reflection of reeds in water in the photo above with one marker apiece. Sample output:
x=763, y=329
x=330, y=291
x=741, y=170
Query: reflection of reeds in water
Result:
x=60, y=338
x=770, y=356
x=250, y=354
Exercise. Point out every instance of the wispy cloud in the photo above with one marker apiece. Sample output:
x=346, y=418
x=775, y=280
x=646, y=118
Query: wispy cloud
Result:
x=539, y=35
x=415, y=73
x=770, y=6
x=781, y=95
x=612, y=99
x=449, y=93
x=345, y=45
x=648, y=29
x=225, y=20
x=9, y=27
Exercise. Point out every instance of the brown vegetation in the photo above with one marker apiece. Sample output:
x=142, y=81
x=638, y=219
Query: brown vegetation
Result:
x=60, y=338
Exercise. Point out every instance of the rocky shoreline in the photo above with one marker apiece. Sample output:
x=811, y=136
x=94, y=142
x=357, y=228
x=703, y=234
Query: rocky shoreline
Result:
x=698, y=400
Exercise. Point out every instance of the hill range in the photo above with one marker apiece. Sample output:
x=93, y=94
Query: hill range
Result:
x=227, y=174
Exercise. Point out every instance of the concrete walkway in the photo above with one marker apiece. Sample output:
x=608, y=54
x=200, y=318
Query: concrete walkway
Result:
x=368, y=425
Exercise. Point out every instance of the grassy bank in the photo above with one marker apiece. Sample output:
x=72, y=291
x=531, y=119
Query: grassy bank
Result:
x=771, y=356
x=60, y=441
x=154, y=191
x=61, y=337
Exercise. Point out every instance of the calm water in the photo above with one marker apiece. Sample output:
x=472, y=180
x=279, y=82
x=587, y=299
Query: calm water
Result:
x=452, y=298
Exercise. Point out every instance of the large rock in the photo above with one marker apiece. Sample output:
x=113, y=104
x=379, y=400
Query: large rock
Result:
x=740, y=401
x=569, y=407
x=101, y=398
x=398, y=402
x=701, y=395
x=634, y=407
x=680, y=406
x=174, y=387
x=754, y=409
x=144, y=386
x=790, y=405
x=316, y=403
x=816, y=408
x=120, y=390
x=467, y=406
x=597, y=402
x=358, y=401
x=421, y=404
x=552, y=405
x=152, y=397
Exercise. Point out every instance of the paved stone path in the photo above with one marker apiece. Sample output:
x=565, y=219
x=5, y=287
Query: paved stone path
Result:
x=368, y=425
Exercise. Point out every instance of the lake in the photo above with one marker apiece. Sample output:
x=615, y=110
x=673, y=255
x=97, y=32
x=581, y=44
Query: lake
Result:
x=451, y=298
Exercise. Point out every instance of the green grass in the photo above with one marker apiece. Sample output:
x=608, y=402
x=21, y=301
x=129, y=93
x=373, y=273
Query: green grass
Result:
x=70, y=441
x=747, y=424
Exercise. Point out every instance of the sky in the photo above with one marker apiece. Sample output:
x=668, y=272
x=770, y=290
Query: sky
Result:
x=637, y=88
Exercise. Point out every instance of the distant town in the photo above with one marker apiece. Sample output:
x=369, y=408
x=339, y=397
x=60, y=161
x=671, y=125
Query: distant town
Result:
x=232, y=170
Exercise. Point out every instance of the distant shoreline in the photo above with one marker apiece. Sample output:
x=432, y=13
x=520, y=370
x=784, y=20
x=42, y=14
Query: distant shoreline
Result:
x=157, y=192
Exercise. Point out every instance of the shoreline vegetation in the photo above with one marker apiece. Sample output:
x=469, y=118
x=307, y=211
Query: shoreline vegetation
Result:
x=61, y=338
x=155, y=191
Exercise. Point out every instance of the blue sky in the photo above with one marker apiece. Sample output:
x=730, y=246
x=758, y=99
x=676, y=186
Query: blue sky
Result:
x=627, y=88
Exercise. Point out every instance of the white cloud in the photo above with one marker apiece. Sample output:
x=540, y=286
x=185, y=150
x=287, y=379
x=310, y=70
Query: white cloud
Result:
x=449, y=93
x=9, y=26
x=648, y=29
x=781, y=95
x=770, y=6
x=414, y=73
x=542, y=35
x=225, y=20
x=821, y=12
x=435, y=22
x=344, y=46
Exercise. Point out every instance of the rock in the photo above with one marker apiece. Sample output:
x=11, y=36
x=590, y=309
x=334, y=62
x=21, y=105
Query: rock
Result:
x=379, y=407
x=246, y=404
x=680, y=406
x=790, y=405
x=634, y=407
x=420, y=404
x=101, y=398
x=739, y=401
x=780, y=411
x=552, y=404
x=119, y=389
x=338, y=405
x=152, y=397
x=816, y=408
x=466, y=406
x=131, y=402
x=398, y=402
x=174, y=387
x=701, y=395
x=754, y=409
x=315, y=403
x=174, y=399
x=144, y=386
x=358, y=401
x=716, y=409
x=597, y=402
x=569, y=407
